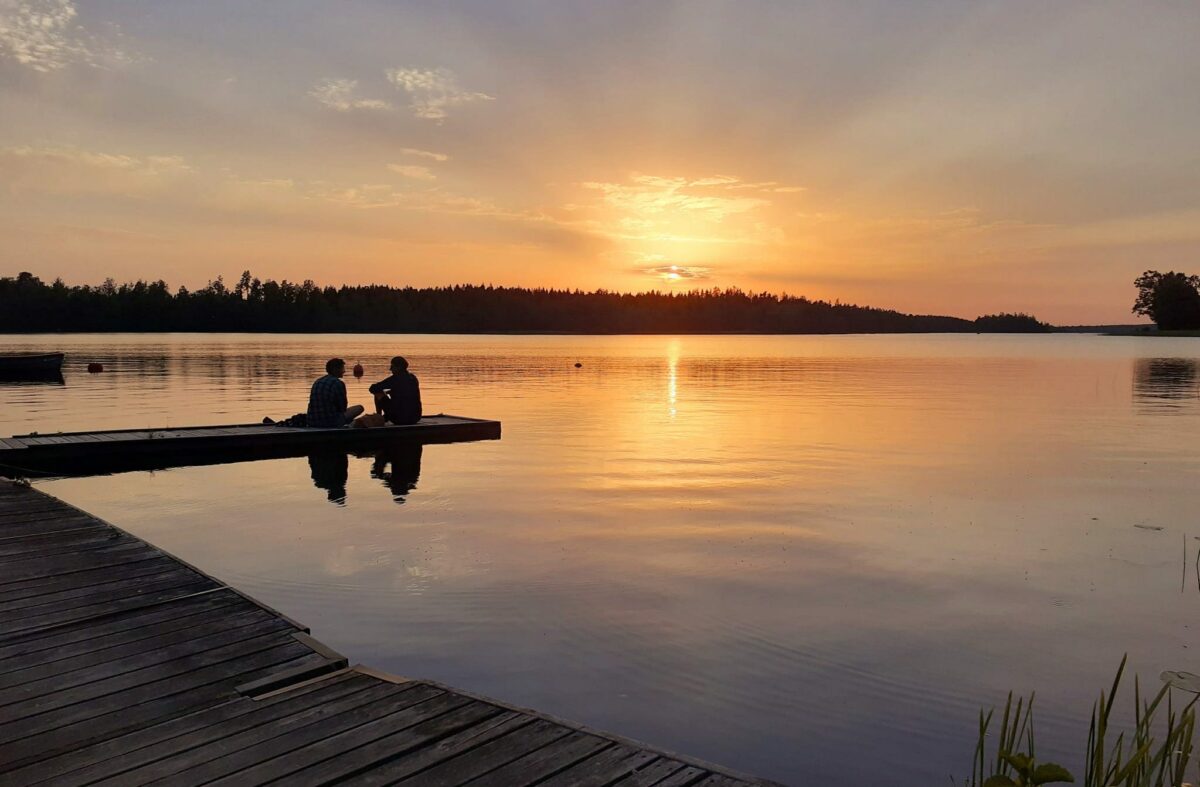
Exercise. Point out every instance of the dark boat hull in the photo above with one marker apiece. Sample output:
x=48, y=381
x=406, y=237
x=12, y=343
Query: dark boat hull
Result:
x=30, y=363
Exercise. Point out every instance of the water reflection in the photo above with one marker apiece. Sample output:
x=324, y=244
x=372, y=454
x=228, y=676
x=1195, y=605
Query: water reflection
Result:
x=31, y=378
x=397, y=466
x=831, y=539
x=405, y=463
x=1165, y=383
x=672, y=377
x=330, y=471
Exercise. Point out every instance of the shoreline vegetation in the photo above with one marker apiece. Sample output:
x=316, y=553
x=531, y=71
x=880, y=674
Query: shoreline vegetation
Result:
x=29, y=305
x=1171, y=299
x=1151, y=332
x=1155, y=751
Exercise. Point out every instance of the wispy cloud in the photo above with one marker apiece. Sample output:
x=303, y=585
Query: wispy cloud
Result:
x=673, y=273
x=146, y=164
x=432, y=91
x=412, y=171
x=429, y=154
x=341, y=95
x=71, y=170
x=648, y=196
x=45, y=35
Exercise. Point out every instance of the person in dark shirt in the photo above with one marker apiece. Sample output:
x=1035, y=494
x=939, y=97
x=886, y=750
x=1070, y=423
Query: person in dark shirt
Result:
x=398, y=397
x=327, y=401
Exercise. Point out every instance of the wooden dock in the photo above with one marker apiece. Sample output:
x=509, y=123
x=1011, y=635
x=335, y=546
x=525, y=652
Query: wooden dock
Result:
x=122, y=665
x=84, y=453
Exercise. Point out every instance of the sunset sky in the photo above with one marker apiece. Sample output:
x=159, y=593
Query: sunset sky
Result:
x=950, y=157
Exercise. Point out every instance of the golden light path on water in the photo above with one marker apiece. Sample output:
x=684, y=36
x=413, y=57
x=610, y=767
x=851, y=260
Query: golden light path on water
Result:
x=672, y=375
x=762, y=551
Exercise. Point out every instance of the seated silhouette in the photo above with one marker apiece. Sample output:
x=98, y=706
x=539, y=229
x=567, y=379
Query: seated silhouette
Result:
x=398, y=398
x=327, y=406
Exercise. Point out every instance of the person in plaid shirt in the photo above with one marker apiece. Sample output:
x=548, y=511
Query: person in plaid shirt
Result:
x=327, y=400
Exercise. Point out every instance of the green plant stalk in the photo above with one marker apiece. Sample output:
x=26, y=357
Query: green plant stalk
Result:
x=1136, y=758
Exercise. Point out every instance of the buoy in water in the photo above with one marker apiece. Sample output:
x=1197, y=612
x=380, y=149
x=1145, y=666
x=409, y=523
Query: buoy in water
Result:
x=358, y=370
x=578, y=365
x=95, y=368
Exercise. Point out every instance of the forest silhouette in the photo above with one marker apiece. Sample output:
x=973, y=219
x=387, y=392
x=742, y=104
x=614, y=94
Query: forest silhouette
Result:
x=29, y=305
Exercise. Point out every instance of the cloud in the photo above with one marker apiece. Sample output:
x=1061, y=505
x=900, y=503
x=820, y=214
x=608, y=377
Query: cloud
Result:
x=424, y=154
x=163, y=185
x=649, y=196
x=411, y=171
x=432, y=91
x=339, y=94
x=369, y=195
x=148, y=164
x=670, y=273
x=45, y=35
x=717, y=180
x=67, y=170
x=108, y=234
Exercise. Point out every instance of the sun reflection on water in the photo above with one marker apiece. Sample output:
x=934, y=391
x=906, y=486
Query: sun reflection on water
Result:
x=672, y=376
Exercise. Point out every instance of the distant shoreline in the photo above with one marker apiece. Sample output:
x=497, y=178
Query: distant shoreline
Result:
x=1101, y=331
x=1137, y=329
x=1149, y=334
x=294, y=332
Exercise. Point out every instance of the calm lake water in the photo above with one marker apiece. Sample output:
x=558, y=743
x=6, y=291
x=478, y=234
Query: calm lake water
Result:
x=810, y=558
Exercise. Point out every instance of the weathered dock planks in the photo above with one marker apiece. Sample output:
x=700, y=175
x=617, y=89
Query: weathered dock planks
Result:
x=84, y=453
x=122, y=665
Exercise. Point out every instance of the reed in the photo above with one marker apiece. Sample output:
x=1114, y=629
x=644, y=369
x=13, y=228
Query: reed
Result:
x=1154, y=752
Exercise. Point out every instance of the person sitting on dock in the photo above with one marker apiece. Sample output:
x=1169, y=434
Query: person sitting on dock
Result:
x=327, y=402
x=398, y=397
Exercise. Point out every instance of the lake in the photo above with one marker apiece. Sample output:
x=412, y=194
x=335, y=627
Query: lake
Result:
x=812, y=558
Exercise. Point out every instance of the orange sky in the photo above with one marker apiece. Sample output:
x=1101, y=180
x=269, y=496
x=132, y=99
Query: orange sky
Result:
x=954, y=158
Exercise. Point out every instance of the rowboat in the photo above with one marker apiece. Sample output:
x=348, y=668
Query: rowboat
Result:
x=30, y=363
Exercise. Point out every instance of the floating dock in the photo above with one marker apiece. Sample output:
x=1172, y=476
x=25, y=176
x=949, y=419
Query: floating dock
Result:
x=122, y=665
x=84, y=453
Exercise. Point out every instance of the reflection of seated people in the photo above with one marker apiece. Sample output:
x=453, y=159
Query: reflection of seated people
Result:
x=327, y=405
x=406, y=469
x=398, y=398
x=330, y=469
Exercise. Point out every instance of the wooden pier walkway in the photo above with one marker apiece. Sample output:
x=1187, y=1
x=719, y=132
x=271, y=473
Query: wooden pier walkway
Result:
x=83, y=453
x=122, y=665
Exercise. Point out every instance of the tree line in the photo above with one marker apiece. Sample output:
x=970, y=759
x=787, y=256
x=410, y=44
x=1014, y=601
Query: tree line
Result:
x=27, y=305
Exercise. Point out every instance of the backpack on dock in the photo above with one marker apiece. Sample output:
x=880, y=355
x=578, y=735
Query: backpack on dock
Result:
x=299, y=419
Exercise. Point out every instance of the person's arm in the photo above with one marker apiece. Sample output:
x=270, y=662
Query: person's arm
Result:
x=343, y=401
x=383, y=385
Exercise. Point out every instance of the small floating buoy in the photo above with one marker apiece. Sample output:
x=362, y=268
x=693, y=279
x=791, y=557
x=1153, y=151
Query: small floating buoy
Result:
x=95, y=368
x=358, y=370
x=578, y=365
